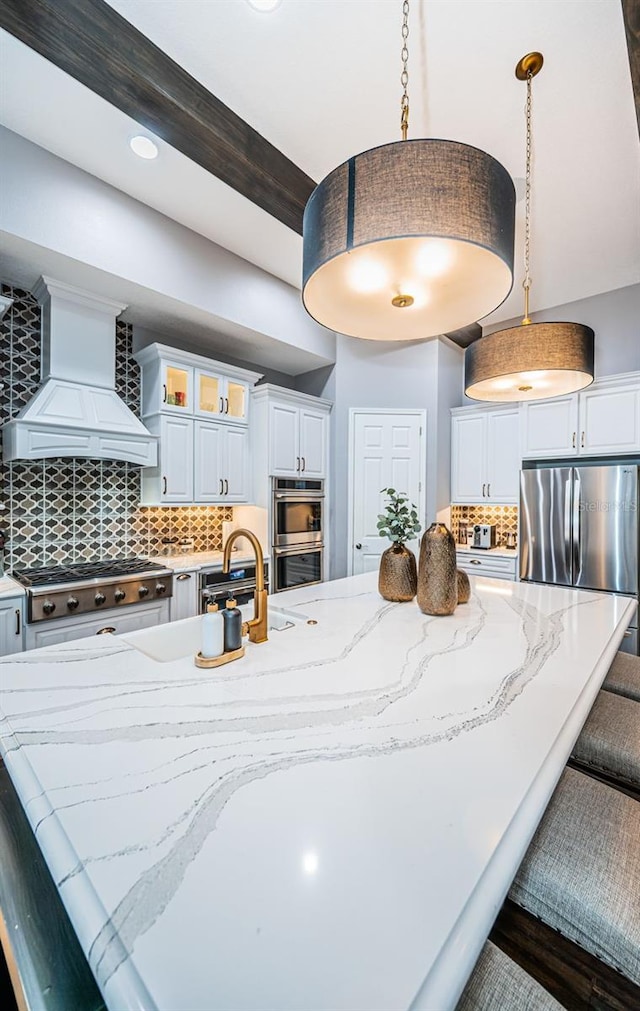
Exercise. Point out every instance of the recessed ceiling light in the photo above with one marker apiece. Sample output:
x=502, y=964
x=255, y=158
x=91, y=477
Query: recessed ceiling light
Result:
x=143, y=147
x=264, y=6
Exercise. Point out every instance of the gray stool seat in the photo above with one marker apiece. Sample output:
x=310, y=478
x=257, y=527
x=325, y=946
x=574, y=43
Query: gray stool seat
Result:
x=497, y=983
x=610, y=739
x=581, y=873
x=624, y=676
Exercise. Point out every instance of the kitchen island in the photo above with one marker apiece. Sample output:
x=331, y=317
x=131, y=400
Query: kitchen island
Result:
x=331, y=822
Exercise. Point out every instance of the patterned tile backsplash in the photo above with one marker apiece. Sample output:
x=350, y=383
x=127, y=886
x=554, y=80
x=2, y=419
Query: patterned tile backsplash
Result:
x=505, y=518
x=62, y=511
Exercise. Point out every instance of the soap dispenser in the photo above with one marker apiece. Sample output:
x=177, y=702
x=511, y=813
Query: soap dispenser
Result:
x=232, y=626
x=212, y=633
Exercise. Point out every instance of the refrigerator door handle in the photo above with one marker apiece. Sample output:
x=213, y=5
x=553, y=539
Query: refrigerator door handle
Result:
x=577, y=531
x=568, y=546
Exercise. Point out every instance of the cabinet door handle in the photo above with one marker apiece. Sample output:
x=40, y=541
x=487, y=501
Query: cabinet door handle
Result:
x=483, y=491
x=164, y=485
x=358, y=546
x=164, y=393
x=221, y=408
x=107, y=628
x=18, y=620
x=226, y=486
x=298, y=463
x=489, y=490
x=221, y=486
x=226, y=403
x=183, y=575
x=573, y=441
x=582, y=441
x=474, y=561
x=304, y=464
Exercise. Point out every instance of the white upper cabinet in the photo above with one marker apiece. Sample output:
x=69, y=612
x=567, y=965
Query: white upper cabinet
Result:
x=485, y=456
x=221, y=463
x=298, y=435
x=284, y=440
x=200, y=461
x=468, y=477
x=178, y=382
x=550, y=427
x=610, y=420
x=313, y=442
x=603, y=420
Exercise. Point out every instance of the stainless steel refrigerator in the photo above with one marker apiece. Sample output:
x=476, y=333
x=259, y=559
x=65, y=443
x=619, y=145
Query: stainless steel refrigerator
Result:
x=579, y=527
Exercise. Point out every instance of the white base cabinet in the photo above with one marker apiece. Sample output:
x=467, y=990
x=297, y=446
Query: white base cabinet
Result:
x=601, y=421
x=485, y=455
x=12, y=625
x=185, y=603
x=496, y=567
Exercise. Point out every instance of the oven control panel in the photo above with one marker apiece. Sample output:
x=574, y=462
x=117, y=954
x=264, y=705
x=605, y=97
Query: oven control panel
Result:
x=71, y=599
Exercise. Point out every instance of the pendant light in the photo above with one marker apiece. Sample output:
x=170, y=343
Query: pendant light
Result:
x=532, y=361
x=410, y=239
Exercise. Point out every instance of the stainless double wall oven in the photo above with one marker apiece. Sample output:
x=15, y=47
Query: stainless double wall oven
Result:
x=298, y=532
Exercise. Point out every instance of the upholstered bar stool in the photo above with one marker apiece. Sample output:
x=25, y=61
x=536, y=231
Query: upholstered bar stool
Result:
x=497, y=983
x=624, y=676
x=581, y=874
x=609, y=744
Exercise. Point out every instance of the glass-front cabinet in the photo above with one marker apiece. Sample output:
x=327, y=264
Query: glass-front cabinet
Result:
x=177, y=388
x=221, y=397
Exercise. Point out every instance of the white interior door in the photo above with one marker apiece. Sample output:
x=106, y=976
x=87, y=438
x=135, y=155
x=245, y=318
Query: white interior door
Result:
x=387, y=450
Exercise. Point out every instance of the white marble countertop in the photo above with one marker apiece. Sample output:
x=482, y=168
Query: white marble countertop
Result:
x=10, y=587
x=330, y=823
x=203, y=559
x=501, y=552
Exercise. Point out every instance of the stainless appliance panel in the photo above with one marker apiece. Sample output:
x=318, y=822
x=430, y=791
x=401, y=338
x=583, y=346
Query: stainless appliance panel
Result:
x=605, y=528
x=545, y=525
x=297, y=567
x=297, y=520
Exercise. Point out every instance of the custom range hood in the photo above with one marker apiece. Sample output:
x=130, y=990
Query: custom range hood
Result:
x=76, y=412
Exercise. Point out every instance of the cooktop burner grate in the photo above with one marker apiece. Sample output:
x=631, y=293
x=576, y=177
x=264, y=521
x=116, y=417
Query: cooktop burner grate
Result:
x=75, y=573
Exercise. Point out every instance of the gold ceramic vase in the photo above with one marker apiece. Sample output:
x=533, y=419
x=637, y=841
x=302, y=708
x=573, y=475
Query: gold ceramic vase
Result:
x=398, y=576
x=464, y=587
x=437, y=572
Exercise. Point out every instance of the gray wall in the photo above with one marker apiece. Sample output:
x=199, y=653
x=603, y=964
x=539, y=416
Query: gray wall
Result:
x=615, y=318
x=422, y=375
x=54, y=206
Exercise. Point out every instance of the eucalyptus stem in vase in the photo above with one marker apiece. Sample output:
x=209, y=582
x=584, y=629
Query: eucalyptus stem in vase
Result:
x=398, y=576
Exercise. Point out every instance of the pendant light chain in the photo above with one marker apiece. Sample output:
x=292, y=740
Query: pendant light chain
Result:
x=526, y=284
x=404, y=76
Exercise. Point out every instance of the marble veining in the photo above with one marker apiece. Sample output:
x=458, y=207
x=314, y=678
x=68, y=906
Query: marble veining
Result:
x=149, y=785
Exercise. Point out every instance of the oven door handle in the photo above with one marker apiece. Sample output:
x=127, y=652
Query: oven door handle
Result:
x=299, y=549
x=301, y=496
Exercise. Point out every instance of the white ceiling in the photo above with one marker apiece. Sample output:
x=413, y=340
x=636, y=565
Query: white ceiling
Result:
x=320, y=80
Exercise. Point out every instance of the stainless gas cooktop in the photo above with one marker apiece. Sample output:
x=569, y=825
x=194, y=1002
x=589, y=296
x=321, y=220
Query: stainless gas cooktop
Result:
x=61, y=590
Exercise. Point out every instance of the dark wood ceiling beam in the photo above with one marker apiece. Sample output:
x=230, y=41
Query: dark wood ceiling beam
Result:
x=91, y=42
x=466, y=335
x=631, y=14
